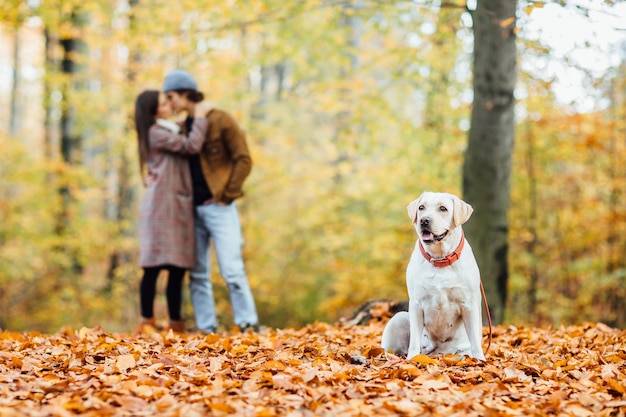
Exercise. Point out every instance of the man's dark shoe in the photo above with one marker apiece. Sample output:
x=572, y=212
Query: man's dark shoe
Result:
x=210, y=330
x=246, y=326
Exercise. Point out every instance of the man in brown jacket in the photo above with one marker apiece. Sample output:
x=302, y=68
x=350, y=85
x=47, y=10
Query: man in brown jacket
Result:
x=217, y=173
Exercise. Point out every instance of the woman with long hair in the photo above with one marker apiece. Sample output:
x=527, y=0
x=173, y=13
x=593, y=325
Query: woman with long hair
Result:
x=166, y=224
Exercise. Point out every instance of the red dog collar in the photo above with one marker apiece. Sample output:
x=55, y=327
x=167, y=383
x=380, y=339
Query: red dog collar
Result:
x=448, y=260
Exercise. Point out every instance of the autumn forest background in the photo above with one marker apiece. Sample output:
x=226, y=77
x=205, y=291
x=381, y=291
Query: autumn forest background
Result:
x=352, y=109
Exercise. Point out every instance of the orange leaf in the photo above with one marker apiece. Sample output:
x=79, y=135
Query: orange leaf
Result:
x=125, y=362
x=372, y=352
x=507, y=22
x=616, y=386
x=423, y=360
x=274, y=365
x=221, y=407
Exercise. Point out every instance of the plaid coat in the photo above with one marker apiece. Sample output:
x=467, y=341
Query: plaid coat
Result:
x=166, y=225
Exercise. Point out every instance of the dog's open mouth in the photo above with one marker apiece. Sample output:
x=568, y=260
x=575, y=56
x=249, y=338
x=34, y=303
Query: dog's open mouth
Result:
x=428, y=237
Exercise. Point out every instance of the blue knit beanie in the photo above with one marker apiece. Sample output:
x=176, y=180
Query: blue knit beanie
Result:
x=179, y=80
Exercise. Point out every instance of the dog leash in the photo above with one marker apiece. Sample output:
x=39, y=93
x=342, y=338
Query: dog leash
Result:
x=482, y=289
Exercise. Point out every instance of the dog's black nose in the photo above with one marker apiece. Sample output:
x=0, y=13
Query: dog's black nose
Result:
x=425, y=221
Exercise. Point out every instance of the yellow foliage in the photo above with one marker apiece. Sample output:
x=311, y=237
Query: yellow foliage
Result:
x=349, y=116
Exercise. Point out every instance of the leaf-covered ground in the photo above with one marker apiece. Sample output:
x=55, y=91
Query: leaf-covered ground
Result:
x=319, y=370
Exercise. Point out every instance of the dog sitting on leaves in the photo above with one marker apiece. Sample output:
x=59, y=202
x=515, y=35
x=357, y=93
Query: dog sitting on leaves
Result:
x=443, y=284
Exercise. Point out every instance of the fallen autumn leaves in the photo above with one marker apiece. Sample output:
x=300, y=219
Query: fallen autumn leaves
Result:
x=318, y=370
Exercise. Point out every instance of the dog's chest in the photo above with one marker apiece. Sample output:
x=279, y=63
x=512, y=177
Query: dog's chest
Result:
x=442, y=306
x=441, y=278
x=421, y=273
x=438, y=288
x=449, y=301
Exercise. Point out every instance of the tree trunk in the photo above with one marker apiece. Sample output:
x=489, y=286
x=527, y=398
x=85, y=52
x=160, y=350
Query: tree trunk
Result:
x=487, y=167
x=123, y=205
x=353, y=25
x=70, y=140
x=14, y=115
x=531, y=248
x=50, y=134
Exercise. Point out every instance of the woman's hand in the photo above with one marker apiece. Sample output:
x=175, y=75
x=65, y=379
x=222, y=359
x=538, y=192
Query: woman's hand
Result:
x=150, y=179
x=201, y=109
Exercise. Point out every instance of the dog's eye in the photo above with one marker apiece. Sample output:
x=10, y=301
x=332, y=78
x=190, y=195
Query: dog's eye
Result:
x=421, y=207
x=443, y=208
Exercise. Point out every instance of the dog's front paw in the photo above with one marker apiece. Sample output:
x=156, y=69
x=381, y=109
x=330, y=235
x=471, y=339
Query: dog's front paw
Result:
x=412, y=353
x=479, y=355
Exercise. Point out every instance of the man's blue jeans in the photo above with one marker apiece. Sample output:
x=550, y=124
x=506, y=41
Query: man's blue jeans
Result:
x=220, y=224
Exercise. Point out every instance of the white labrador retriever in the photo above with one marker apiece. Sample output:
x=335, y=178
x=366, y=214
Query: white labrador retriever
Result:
x=443, y=283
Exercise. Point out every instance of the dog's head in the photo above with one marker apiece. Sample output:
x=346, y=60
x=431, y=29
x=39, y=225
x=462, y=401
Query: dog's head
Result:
x=435, y=215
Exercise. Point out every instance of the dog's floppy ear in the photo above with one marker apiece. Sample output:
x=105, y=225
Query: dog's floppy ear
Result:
x=412, y=209
x=462, y=211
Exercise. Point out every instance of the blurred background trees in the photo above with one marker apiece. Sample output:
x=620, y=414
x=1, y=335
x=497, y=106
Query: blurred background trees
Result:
x=352, y=107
